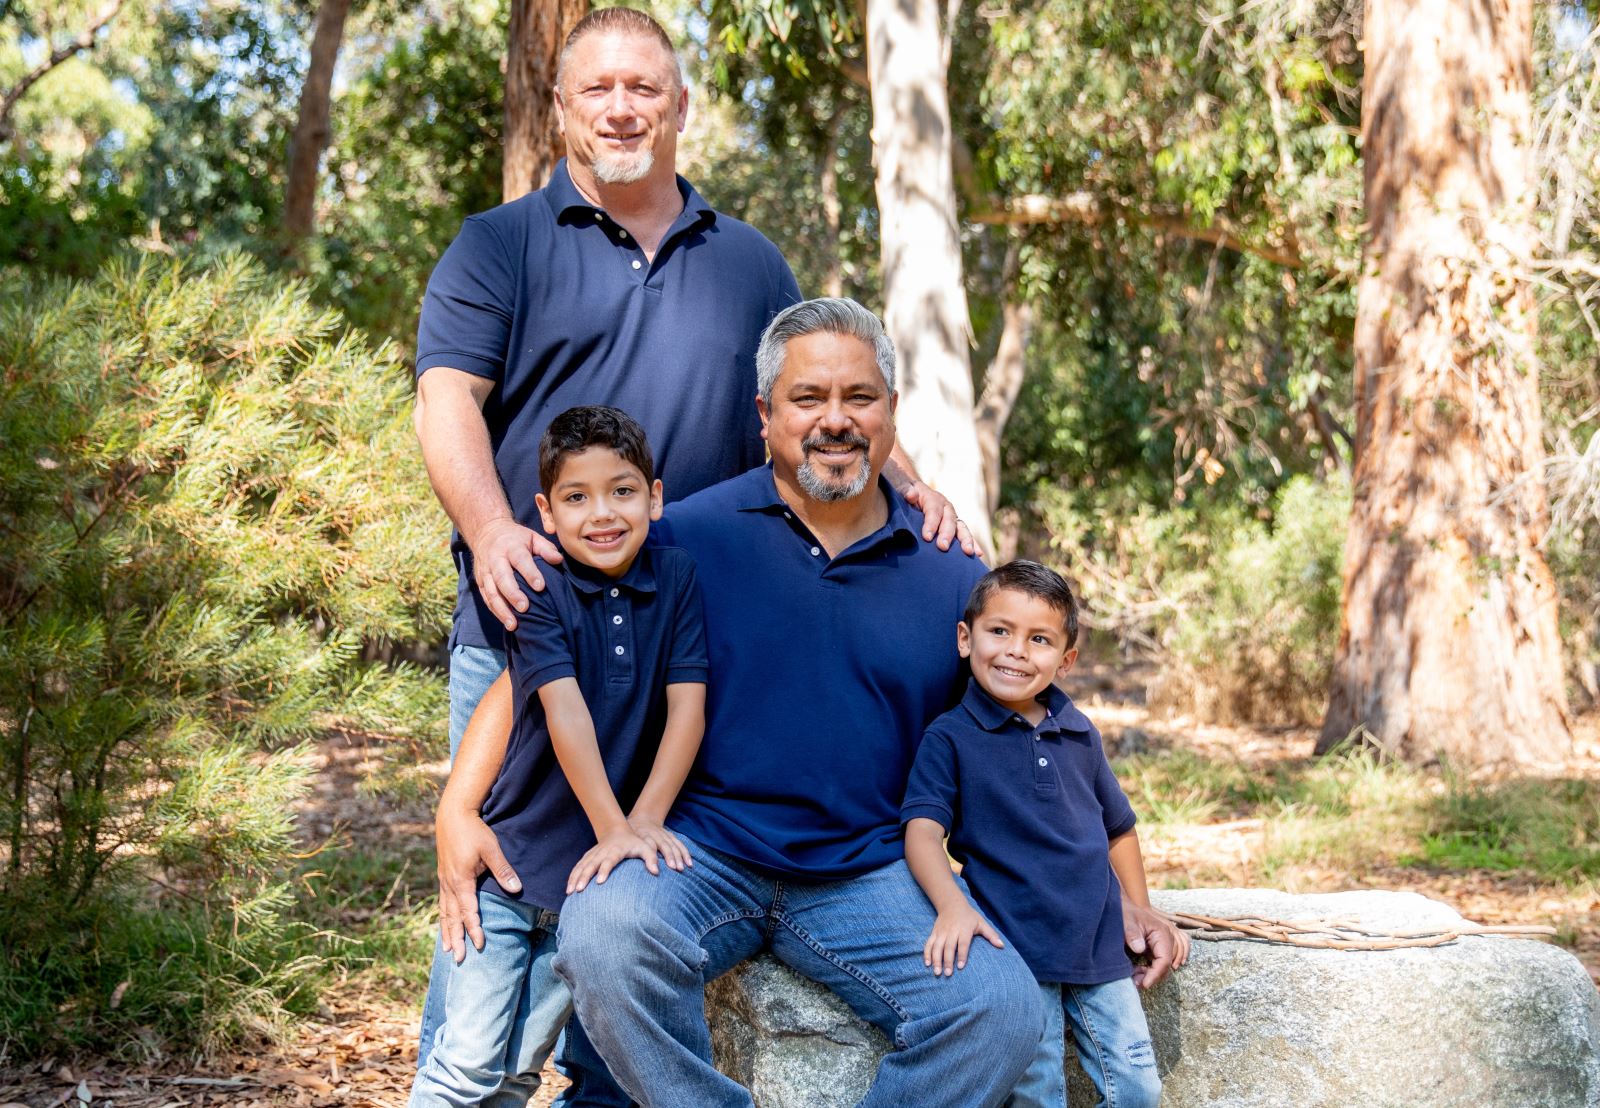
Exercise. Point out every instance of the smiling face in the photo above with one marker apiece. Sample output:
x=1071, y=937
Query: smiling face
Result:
x=830, y=424
x=1017, y=646
x=621, y=107
x=600, y=508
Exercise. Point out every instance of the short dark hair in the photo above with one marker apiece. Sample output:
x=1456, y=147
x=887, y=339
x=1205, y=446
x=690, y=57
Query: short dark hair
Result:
x=1031, y=578
x=626, y=21
x=577, y=429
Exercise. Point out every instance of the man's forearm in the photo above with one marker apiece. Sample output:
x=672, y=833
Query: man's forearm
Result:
x=900, y=471
x=456, y=450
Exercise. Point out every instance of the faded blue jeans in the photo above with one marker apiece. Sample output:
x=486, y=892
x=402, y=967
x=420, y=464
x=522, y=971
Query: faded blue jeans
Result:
x=472, y=670
x=1113, y=1043
x=503, y=1008
x=638, y=951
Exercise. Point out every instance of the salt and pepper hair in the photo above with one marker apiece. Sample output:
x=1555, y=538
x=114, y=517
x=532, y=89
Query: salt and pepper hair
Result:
x=826, y=315
x=619, y=21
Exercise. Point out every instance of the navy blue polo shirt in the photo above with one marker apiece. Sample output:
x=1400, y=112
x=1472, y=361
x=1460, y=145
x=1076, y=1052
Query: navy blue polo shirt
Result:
x=625, y=640
x=1031, y=812
x=552, y=300
x=824, y=673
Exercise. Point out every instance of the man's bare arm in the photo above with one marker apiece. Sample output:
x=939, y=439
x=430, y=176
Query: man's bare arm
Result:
x=455, y=448
x=939, y=520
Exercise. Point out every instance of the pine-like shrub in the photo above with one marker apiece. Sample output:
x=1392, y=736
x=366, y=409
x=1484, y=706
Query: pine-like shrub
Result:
x=210, y=502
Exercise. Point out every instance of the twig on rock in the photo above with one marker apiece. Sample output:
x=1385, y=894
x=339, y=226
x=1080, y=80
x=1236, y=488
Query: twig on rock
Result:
x=1341, y=934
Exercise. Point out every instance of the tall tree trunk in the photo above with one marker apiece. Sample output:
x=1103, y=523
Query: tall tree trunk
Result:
x=1448, y=643
x=533, y=45
x=314, y=127
x=925, y=301
x=828, y=186
x=1003, y=381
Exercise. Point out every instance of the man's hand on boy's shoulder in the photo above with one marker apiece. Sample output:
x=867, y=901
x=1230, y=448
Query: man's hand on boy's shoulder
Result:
x=1147, y=931
x=467, y=847
x=502, y=549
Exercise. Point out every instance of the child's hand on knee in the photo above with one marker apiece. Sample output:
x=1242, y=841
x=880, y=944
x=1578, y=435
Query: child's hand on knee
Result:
x=607, y=854
x=953, y=932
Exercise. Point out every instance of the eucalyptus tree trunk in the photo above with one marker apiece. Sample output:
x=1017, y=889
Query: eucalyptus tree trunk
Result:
x=1448, y=643
x=314, y=126
x=925, y=301
x=533, y=45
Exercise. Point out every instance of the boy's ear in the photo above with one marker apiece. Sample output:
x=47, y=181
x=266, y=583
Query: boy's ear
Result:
x=655, y=499
x=963, y=639
x=543, y=504
x=1067, y=661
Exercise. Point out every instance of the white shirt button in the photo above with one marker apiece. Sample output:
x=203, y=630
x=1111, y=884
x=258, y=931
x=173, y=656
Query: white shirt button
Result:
x=617, y=620
x=788, y=515
x=599, y=215
x=636, y=263
x=1042, y=761
x=621, y=234
x=1036, y=738
x=615, y=592
x=815, y=550
x=622, y=651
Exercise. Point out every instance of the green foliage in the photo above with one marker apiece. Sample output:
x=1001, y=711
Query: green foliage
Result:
x=416, y=151
x=1245, y=614
x=1551, y=828
x=211, y=501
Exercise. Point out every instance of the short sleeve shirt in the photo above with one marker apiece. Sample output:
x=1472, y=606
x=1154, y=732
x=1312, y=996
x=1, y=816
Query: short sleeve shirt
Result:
x=624, y=640
x=554, y=302
x=824, y=673
x=1030, y=812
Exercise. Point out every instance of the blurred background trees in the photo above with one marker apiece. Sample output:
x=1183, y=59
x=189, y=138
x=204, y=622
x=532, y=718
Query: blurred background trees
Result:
x=216, y=241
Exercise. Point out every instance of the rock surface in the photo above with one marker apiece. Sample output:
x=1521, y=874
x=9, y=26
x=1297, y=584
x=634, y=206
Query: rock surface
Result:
x=1483, y=1021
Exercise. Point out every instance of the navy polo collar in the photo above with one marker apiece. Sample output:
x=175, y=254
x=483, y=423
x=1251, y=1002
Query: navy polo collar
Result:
x=564, y=199
x=1061, y=713
x=640, y=578
x=759, y=493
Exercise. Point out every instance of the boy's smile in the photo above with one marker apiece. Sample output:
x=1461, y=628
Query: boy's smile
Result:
x=600, y=509
x=1017, y=646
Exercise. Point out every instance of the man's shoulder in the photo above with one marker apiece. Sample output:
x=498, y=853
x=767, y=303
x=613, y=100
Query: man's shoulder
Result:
x=715, y=504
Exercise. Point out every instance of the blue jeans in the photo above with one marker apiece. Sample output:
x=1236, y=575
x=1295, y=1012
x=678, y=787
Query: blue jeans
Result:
x=638, y=951
x=1113, y=1043
x=503, y=1008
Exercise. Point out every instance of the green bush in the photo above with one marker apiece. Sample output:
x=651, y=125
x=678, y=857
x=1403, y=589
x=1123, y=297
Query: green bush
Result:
x=1244, y=614
x=211, y=502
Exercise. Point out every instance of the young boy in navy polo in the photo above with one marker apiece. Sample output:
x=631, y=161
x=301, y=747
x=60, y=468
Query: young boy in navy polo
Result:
x=1018, y=780
x=608, y=672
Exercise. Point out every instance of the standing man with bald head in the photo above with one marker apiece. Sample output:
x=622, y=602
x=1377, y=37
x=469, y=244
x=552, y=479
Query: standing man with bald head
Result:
x=614, y=284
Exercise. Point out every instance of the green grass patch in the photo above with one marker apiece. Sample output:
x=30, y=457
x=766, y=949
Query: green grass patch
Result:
x=1352, y=811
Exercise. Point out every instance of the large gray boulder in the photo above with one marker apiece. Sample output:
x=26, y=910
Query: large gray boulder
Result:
x=1485, y=1021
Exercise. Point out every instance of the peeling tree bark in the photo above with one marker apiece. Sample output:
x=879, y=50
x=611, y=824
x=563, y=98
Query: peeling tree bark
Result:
x=314, y=126
x=533, y=46
x=925, y=301
x=1448, y=643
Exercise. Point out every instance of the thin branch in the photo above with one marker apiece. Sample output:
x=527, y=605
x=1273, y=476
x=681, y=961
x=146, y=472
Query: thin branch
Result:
x=1087, y=209
x=83, y=41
